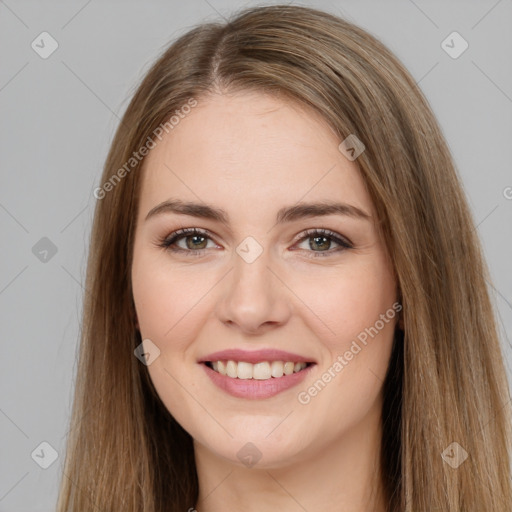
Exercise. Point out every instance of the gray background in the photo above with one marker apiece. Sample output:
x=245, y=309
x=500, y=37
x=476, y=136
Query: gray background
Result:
x=58, y=117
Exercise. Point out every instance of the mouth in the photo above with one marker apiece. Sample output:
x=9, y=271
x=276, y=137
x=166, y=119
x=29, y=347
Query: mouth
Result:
x=261, y=371
x=255, y=375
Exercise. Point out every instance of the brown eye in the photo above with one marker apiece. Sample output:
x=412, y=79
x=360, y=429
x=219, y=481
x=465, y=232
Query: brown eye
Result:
x=320, y=242
x=194, y=239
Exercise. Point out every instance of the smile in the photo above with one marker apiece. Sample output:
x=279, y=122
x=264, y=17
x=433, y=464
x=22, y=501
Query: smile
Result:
x=256, y=374
x=264, y=370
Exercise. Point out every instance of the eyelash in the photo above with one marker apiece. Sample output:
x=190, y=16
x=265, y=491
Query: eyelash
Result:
x=168, y=242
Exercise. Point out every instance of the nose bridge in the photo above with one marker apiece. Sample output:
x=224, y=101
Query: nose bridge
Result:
x=252, y=296
x=250, y=279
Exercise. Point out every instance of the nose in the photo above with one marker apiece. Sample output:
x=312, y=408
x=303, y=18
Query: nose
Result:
x=253, y=298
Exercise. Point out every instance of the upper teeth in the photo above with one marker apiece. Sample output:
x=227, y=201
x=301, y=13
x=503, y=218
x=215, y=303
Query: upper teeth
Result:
x=260, y=371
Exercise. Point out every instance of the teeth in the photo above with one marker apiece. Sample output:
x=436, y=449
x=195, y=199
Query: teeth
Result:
x=231, y=369
x=288, y=368
x=244, y=370
x=259, y=371
x=276, y=369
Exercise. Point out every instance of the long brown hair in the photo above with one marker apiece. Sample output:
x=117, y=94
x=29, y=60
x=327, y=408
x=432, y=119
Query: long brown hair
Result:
x=446, y=381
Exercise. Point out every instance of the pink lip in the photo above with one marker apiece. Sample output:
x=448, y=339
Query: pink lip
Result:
x=255, y=389
x=255, y=356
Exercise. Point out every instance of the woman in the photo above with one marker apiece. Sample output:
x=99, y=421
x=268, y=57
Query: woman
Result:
x=287, y=304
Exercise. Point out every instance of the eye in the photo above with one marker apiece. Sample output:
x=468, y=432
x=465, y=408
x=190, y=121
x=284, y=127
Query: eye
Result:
x=320, y=242
x=194, y=241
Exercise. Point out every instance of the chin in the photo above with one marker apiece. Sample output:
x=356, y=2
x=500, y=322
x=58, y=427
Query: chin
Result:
x=255, y=447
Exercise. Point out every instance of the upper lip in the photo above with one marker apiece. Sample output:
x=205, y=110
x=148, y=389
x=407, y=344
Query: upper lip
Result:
x=255, y=356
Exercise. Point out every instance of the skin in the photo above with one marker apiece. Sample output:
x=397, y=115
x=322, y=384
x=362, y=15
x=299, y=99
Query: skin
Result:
x=250, y=155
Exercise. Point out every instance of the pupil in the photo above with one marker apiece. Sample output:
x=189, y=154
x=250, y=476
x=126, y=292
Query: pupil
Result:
x=315, y=242
x=193, y=245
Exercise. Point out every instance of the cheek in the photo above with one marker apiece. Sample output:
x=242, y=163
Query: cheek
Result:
x=363, y=318
x=348, y=301
x=168, y=310
x=355, y=321
x=349, y=383
x=167, y=300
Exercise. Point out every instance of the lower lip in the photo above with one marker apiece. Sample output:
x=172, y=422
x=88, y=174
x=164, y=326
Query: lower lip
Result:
x=256, y=389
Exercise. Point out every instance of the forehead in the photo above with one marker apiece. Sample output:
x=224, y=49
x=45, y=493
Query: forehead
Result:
x=248, y=150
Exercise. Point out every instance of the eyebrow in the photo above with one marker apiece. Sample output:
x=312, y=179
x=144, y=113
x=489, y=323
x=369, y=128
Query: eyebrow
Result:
x=286, y=214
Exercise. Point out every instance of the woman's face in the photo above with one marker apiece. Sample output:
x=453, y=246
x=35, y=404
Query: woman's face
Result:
x=273, y=277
